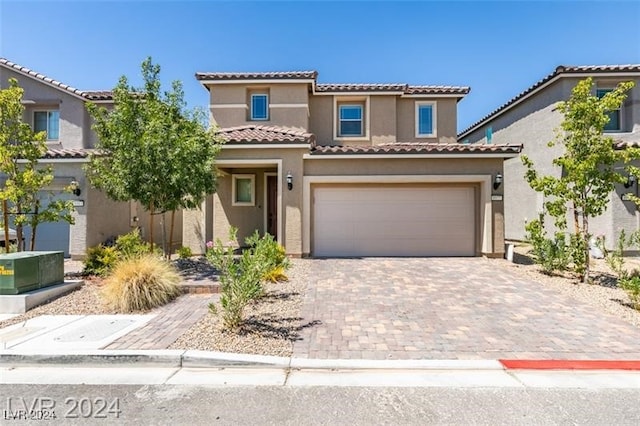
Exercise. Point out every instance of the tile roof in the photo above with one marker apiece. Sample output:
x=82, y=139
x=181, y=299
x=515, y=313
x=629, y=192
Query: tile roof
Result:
x=88, y=95
x=437, y=90
x=284, y=75
x=68, y=153
x=256, y=134
x=416, y=148
x=560, y=70
x=393, y=87
x=333, y=87
x=360, y=87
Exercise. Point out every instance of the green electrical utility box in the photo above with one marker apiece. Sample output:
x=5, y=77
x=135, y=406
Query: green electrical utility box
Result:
x=30, y=270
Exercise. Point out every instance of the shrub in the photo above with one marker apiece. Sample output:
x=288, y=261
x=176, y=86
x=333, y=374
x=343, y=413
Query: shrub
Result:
x=276, y=275
x=184, y=252
x=141, y=283
x=551, y=254
x=268, y=253
x=99, y=260
x=240, y=279
x=132, y=245
x=630, y=283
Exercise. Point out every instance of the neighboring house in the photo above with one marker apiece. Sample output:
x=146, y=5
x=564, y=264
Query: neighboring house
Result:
x=60, y=111
x=348, y=169
x=531, y=118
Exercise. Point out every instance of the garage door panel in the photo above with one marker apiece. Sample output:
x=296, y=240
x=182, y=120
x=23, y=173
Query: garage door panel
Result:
x=394, y=221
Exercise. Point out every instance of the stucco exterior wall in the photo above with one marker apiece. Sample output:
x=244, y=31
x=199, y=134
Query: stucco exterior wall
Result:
x=196, y=223
x=41, y=96
x=321, y=119
x=533, y=123
x=446, y=119
x=288, y=104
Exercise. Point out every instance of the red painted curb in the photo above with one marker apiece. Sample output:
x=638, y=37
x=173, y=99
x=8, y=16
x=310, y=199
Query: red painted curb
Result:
x=568, y=364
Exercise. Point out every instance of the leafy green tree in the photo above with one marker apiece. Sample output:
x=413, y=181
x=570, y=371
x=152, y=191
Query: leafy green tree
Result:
x=151, y=149
x=20, y=150
x=590, y=165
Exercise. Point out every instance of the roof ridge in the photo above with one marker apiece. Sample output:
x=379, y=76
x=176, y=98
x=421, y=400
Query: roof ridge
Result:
x=87, y=94
x=558, y=71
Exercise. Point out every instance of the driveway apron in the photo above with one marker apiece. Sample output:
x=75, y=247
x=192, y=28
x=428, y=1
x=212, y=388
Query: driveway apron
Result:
x=449, y=308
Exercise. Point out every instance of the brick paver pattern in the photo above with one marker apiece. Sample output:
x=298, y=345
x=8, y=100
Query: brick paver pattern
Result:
x=449, y=308
x=171, y=321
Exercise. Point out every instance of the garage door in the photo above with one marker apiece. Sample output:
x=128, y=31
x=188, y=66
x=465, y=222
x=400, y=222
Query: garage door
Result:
x=394, y=221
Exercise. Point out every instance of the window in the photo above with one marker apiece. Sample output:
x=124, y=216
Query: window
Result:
x=49, y=122
x=244, y=190
x=488, y=133
x=614, y=116
x=260, y=106
x=350, y=120
x=425, y=119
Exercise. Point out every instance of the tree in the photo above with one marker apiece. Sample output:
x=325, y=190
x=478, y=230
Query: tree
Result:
x=590, y=165
x=20, y=150
x=151, y=149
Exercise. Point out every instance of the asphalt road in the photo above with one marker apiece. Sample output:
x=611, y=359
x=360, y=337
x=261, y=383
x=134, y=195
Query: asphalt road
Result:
x=195, y=405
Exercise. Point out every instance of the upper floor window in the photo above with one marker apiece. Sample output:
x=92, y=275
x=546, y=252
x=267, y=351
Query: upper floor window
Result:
x=259, y=106
x=49, y=122
x=350, y=120
x=614, y=116
x=425, y=119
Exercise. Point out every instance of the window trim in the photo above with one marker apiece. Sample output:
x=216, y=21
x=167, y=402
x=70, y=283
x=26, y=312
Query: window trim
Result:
x=362, y=101
x=46, y=110
x=234, y=187
x=619, y=110
x=434, y=119
x=251, y=115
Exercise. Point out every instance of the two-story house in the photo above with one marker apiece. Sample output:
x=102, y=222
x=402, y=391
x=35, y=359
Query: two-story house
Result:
x=349, y=169
x=531, y=118
x=60, y=111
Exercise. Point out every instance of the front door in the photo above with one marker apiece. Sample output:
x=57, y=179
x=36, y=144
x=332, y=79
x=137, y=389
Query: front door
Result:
x=272, y=205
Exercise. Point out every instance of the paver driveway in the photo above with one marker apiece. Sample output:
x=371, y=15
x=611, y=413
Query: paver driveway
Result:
x=449, y=308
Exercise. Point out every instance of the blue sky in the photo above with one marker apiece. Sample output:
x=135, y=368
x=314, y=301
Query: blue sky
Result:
x=497, y=48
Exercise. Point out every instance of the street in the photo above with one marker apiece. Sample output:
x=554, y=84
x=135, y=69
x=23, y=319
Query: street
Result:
x=195, y=405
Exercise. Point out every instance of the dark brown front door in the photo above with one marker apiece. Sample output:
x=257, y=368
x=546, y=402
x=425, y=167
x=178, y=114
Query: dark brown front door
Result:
x=272, y=205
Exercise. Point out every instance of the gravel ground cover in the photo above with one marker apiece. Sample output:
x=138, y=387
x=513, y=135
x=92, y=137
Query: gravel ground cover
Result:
x=272, y=323
x=602, y=294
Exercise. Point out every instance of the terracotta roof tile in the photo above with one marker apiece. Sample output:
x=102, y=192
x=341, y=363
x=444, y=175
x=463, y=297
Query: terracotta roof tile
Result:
x=285, y=75
x=560, y=70
x=68, y=153
x=88, y=95
x=417, y=148
x=255, y=134
x=393, y=87
x=437, y=90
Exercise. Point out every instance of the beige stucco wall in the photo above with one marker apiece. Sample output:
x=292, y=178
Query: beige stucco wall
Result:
x=197, y=224
x=41, y=96
x=446, y=119
x=391, y=119
x=288, y=104
x=533, y=123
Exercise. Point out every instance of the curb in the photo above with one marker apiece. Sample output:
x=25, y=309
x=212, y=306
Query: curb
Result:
x=569, y=364
x=155, y=358
x=206, y=359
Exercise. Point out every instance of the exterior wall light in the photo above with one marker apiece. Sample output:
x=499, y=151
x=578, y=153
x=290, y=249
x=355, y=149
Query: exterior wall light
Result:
x=631, y=179
x=497, y=180
x=75, y=188
x=289, y=181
